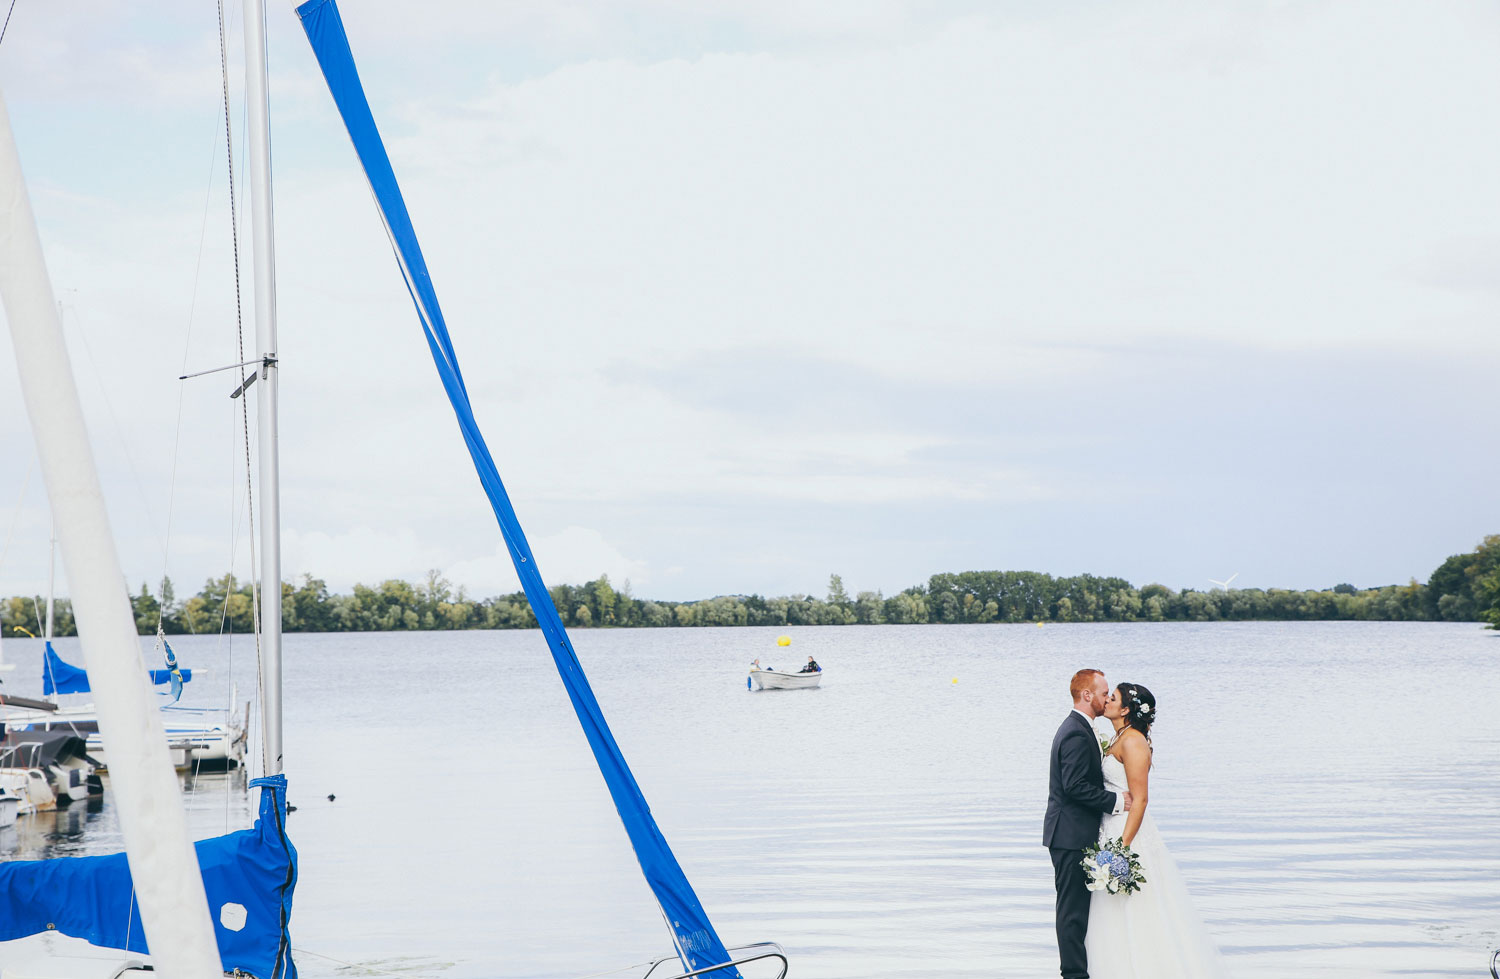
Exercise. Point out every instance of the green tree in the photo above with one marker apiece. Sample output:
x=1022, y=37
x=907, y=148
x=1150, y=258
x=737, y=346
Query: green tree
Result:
x=146, y=609
x=1484, y=580
x=1064, y=611
x=836, y=593
x=1452, y=580
x=604, y=599
x=869, y=608
x=310, y=608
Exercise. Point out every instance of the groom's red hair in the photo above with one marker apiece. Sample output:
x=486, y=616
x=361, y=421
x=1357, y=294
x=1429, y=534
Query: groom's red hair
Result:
x=1083, y=680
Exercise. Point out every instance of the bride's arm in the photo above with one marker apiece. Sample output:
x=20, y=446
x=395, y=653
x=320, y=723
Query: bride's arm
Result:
x=1137, y=758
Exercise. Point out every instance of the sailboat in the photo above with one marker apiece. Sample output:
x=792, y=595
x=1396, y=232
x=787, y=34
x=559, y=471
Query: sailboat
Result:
x=197, y=737
x=222, y=905
x=248, y=877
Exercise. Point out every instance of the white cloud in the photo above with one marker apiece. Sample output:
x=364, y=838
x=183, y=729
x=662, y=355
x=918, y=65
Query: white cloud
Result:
x=1021, y=202
x=362, y=555
x=573, y=555
x=368, y=556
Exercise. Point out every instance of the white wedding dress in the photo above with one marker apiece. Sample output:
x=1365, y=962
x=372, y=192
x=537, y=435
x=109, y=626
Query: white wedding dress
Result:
x=1156, y=932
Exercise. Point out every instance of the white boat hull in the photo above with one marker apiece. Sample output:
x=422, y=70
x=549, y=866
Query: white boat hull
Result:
x=772, y=680
x=31, y=787
x=194, y=737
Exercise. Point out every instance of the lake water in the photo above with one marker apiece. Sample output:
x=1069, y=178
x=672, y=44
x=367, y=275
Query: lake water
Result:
x=1331, y=791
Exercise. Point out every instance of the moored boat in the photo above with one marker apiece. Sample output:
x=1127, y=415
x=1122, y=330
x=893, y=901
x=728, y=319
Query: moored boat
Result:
x=61, y=755
x=776, y=680
x=31, y=788
x=197, y=737
x=10, y=805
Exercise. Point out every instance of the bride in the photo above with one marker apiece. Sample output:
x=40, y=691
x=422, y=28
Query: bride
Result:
x=1154, y=932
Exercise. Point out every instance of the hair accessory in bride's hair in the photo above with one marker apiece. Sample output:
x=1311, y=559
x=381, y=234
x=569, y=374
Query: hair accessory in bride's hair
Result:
x=1139, y=707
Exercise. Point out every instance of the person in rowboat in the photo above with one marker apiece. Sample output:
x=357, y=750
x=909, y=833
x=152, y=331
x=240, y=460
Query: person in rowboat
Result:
x=812, y=666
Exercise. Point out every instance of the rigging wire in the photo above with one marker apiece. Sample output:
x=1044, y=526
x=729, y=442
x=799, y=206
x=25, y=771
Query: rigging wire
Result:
x=114, y=419
x=239, y=322
x=226, y=623
x=7, y=21
x=15, y=515
x=187, y=346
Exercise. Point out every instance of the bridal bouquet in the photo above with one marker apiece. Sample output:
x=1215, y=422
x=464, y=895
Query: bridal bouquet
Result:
x=1113, y=867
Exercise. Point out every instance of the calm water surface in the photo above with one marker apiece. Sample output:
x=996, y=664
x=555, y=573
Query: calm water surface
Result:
x=1330, y=790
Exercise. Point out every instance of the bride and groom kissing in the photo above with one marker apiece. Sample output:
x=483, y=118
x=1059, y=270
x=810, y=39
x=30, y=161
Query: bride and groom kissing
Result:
x=1098, y=792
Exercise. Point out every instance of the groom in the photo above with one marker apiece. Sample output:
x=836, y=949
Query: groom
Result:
x=1076, y=802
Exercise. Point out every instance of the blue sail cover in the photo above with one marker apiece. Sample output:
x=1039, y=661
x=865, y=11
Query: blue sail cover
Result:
x=93, y=898
x=697, y=943
x=59, y=676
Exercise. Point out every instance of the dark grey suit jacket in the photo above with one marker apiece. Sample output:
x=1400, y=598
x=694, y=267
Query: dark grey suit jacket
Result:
x=1076, y=797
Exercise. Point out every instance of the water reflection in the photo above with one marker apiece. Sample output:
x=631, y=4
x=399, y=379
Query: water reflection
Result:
x=217, y=802
x=215, y=782
x=59, y=832
x=886, y=825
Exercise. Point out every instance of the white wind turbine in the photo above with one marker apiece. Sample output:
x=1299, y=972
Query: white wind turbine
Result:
x=1225, y=583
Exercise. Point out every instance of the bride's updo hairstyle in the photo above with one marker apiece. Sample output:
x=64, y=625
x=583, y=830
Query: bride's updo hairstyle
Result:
x=1141, y=705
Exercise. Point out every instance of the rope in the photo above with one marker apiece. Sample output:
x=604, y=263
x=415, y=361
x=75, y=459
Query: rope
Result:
x=239, y=324
x=7, y=20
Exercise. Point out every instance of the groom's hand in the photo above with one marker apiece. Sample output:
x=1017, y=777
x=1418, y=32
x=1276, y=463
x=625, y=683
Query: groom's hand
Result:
x=1125, y=801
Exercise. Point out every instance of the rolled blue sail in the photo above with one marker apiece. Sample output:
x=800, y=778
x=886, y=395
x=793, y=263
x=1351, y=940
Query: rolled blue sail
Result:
x=697, y=943
x=249, y=877
x=175, y=675
x=59, y=676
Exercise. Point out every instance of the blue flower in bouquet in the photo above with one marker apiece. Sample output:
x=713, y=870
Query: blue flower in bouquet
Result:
x=1114, y=867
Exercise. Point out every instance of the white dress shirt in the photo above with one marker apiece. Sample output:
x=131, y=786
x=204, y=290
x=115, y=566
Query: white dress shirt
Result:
x=1119, y=799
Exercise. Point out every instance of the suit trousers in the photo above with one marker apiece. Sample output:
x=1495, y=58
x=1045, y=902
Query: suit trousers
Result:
x=1073, y=899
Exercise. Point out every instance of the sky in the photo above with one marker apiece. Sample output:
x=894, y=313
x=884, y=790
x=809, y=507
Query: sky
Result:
x=751, y=293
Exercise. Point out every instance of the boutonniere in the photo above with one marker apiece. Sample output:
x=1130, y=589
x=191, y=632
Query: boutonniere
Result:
x=1104, y=744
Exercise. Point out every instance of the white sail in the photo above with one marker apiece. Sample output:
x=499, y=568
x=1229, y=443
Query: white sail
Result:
x=169, y=889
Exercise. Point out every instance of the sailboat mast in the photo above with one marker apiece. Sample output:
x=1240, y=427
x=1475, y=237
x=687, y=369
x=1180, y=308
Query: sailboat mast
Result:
x=51, y=581
x=258, y=110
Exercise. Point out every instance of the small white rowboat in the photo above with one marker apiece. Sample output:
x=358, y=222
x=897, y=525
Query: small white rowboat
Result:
x=772, y=680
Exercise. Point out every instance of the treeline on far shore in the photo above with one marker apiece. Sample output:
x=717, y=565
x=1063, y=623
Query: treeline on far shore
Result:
x=1464, y=588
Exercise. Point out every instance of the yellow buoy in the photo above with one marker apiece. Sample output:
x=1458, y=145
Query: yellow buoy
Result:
x=955, y=679
x=783, y=640
x=1038, y=625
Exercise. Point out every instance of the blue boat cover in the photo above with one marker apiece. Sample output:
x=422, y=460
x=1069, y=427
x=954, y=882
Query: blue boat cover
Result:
x=697, y=943
x=93, y=898
x=60, y=676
